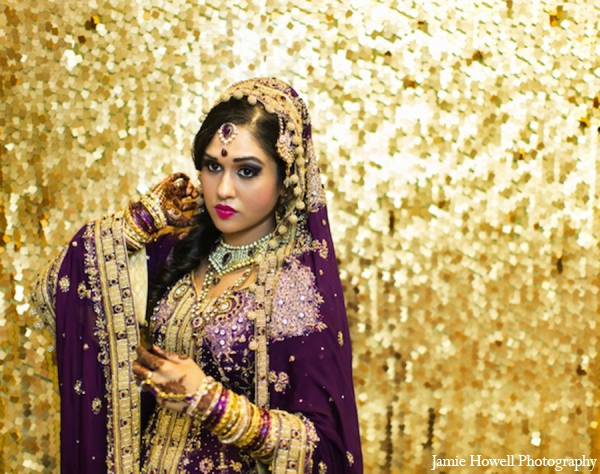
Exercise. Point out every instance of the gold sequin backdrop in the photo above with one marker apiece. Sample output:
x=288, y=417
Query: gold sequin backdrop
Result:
x=460, y=141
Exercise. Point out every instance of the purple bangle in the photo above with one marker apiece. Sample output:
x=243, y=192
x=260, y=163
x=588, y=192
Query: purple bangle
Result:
x=147, y=218
x=134, y=212
x=142, y=218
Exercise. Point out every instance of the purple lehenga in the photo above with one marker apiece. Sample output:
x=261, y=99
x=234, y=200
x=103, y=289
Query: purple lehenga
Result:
x=297, y=360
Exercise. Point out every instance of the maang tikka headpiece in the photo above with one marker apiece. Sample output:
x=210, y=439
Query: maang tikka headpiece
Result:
x=227, y=132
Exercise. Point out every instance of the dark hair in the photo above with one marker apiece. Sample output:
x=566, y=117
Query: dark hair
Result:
x=192, y=249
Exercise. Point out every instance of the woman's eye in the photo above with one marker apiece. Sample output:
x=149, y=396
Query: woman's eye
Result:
x=212, y=166
x=248, y=172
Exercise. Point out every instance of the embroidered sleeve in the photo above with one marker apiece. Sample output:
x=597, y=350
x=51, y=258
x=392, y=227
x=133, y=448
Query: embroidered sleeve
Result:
x=43, y=296
x=296, y=443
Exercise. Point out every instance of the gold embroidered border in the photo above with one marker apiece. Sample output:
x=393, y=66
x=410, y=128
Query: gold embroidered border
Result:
x=168, y=442
x=43, y=295
x=267, y=277
x=122, y=338
x=290, y=453
x=261, y=361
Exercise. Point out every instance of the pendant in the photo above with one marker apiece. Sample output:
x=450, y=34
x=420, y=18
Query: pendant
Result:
x=227, y=132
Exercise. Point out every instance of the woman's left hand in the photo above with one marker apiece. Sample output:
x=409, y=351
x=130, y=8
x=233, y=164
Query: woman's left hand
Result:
x=178, y=199
x=169, y=372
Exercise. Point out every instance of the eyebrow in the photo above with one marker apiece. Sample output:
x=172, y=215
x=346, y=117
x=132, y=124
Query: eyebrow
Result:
x=236, y=160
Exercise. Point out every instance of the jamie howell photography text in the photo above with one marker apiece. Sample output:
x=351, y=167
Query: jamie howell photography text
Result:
x=514, y=463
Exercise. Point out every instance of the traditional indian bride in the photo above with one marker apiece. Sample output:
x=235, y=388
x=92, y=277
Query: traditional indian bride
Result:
x=223, y=303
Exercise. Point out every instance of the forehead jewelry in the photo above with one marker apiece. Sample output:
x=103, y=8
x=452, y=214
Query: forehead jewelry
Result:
x=227, y=132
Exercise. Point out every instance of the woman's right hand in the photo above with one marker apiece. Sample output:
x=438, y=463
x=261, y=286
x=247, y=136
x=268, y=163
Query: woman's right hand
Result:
x=166, y=373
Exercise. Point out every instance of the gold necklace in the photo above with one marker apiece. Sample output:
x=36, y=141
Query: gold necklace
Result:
x=222, y=260
x=204, y=309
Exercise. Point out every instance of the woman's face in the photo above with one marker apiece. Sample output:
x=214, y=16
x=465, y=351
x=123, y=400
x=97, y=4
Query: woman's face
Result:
x=241, y=189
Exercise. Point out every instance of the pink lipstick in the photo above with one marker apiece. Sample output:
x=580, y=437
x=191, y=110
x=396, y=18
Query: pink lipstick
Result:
x=225, y=212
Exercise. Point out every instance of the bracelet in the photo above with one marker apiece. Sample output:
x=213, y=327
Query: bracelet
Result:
x=152, y=204
x=263, y=432
x=240, y=426
x=142, y=217
x=203, y=390
x=215, y=415
x=134, y=227
x=134, y=236
x=266, y=449
x=229, y=417
x=218, y=392
x=253, y=431
x=133, y=242
x=234, y=419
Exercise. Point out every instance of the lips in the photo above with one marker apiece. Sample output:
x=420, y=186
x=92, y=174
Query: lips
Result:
x=225, y=212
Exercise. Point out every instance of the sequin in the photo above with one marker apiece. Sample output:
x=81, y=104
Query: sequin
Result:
x=64, y=284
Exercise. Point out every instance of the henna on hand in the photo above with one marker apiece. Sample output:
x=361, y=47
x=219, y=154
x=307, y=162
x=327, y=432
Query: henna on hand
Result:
x=148, y=360
x=177, y=196
x=168, y=354
x=173, y=386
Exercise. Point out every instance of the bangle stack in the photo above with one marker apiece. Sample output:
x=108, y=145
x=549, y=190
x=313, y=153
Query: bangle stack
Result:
x=143, y=219
x=234, y=419
x=152, y=204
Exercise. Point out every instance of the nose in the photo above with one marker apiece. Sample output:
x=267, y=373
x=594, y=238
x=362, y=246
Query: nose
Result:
x=226, y=188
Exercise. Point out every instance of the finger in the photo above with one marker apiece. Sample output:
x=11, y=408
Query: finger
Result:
x=179, y=176
x=142, y=375
x=177, y=202
x=139, y=370
x=172, y=356
x=159, y=351
x=173, y=214
x=184, y=221
x=189, y=204
x=148, y=360
x=174, y=184
x=191, y=190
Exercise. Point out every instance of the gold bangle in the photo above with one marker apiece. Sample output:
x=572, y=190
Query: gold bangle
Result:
x=134, y=240
x=253, y=430
x=218, y=390
x=226, y=421
x=134, y=226
x=265, y=451
x=240, y=425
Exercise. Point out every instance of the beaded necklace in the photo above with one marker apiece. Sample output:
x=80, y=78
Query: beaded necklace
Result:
x=226, y=258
